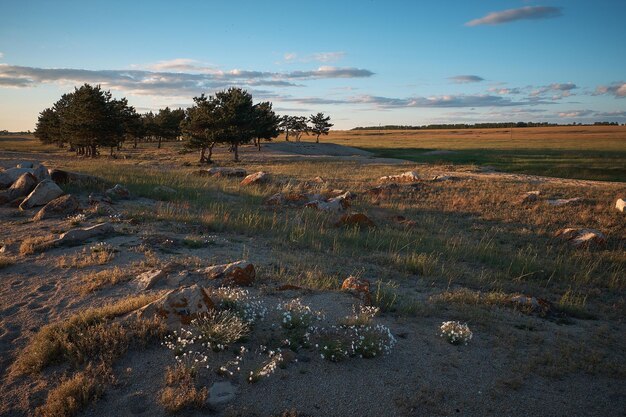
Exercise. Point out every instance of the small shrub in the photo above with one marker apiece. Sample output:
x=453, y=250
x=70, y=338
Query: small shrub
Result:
x=276, y=359
x=93, y=282
x=181, y=391
x=35, y=244
x=456, y=332
x=218, y=329
x=239, y=301
x=6, y=261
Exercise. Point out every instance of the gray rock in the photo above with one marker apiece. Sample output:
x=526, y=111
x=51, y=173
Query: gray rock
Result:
x=221, y=393
x=62, y=206
x=25, y=164
x=82, y=234
x=45, y=192
x=118, y=192
x=41, y=173
x=9, y=176
x=24, y=185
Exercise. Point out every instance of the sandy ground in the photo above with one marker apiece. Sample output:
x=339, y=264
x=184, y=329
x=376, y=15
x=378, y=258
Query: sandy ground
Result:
x=423, y=376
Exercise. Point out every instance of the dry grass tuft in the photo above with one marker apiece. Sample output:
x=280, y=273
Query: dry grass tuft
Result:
x=35, y=244
x=89, y=335
x=6, y=261
x=108, y=277
x=86, y=258
x=74, y=393
x=181, y=391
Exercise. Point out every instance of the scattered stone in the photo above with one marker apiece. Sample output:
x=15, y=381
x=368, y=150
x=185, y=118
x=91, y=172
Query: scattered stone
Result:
x=260, y=177
x=529, y=197
x=164, y=190
x=355, y=219
x=98, y=199
x=318, y=180
x=582, y=237
x=118, y=192
x=620, y=204
x=222, y=172
x=59, y=207
x=358, y=287
x=9, y=176
x=563, y=201
x=240, y=273
x=180, y=306
x=23, y=186
x=149, y=279
x=81, y=234
x=65, y=177
x=221, y=392
x=532, y=304
x=403, y=221
x=439, y=178
x=44, y=192
x=334, y=205
x=409, y=176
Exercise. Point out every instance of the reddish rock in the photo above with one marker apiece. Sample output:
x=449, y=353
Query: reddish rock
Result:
x=355, y=219
x=358, y=287
x=335, y=205
x=240, y=273
x=62, y=206
x=409, y=176
x=256, y=178
x=178, y=307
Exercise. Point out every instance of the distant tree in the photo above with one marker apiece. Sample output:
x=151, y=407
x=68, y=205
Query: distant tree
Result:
x=299, y=126
x=167, y=123
x=285, y=126
x=201, y=127
x=48, y=129
x=321, y=125
x=266, y=123
x=236, y=118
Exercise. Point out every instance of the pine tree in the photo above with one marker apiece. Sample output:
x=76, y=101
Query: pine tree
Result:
x=321, y=125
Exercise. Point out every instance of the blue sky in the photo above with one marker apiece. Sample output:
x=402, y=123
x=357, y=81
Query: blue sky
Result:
x=363, y=63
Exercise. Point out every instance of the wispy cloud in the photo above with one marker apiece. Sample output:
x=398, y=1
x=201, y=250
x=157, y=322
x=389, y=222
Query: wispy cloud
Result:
x=324, y=57
x=1, y=55
x=464, y=79
x=171, y=79
x=570, y=114
x=511, y=15
x=559, y=90
x=618, y=89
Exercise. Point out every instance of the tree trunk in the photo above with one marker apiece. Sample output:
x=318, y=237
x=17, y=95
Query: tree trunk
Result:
x=258, y=142
x=287, y=135
x=209, y=161
x=135, y=143
x=236, y=150
x=159, y=145
x=94, y=152
x=202, y=158
x=111, y=154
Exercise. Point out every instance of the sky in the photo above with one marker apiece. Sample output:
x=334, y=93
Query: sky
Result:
x=364, y=63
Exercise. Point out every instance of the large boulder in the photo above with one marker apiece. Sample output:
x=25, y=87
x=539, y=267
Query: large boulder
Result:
x=620, y=204
x=256, y=178
x=240, y=273
x=23, y=186
x=59, y=207
x=44, y=192
x=409, y=176
x=178, y=307
x=66, y=177
x=25, y=164
x=79, y=235
x=9, y=176
x=41, y=173
x=582, y=237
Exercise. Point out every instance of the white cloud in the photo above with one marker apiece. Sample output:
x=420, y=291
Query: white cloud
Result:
x=323, y=57
x=618, y=89
x=464, y=79
x=511, y=15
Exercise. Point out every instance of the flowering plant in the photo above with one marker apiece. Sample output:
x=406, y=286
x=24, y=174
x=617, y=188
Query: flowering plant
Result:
x=456, y=332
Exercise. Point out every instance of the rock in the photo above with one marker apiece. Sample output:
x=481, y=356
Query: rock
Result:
x=98, y=199
x=9, y=176
x=23, y=186
x=65, y=177
x=620, y=204
x=355, y=219
x=582, y=237
x=81, y=234
x=164, y=190
x=348, y=195
x=403, y=221
x=25, y=164
x=180, y=306
x=439, y=178
x=563, y=201
x=118, y=192
x=41, y=173
x=529, y=197
x=532, y=304
x=409, y=176
x=318, y=180
x=149, y=279
x=222, y=172
x=221, y=393
x=44, y=192
x=61, y=206
x=277, y=199
x=256, y=178
x=358, y=287
x=240, y=273
x=334, y=205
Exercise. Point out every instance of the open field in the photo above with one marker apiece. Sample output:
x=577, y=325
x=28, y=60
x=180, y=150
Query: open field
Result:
x=465, y=247
x=583, y=152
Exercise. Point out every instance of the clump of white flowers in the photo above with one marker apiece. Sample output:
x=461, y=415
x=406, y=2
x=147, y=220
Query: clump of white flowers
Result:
x=77, y=219
x=239, y=301
x=456, y=332
x=218, y=329
x=297, y=319
x=184, y=345
x=102, y=247
x=368, y=341
x=275, y=359
x=233, y=366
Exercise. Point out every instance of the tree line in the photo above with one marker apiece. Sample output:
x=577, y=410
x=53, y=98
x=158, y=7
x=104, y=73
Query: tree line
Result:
x=90, y=119
x=494, y=125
